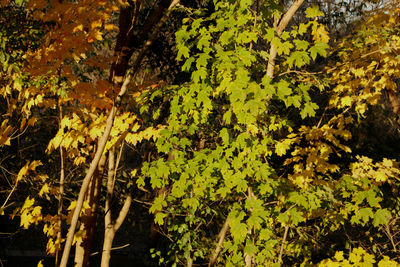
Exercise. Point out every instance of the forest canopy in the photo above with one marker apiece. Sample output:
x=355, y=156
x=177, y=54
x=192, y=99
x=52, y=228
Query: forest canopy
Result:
x=200, y=133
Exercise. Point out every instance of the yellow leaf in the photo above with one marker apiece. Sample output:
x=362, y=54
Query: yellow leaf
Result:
x=28, y=203
x=387, y=163
x=4, y=132
x=380, y=176
x=98, y=35
x=78, y=28
x=78, y=237
x=22, y=172
x=346, y=101
x=133, y=173
x=339, y=256
x=40, y=264
x=72, y=205
x=32, y=121
x=45, y=189
x=359, y=72
x=85, y=205
x=110, y=27
x=96, y=24
x=79, y=160
x=37, y=211
x=282, y=147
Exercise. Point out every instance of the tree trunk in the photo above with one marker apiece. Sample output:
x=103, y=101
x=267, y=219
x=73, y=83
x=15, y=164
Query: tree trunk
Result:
x=120, y=80
x=83, y=248
x=107, y=245
x=110, y=227
x=60, y=190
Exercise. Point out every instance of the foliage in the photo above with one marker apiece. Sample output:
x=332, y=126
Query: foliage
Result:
x=254, y=162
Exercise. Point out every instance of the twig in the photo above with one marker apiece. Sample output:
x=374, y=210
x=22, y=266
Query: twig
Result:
x=115, y=248
x=283, y=243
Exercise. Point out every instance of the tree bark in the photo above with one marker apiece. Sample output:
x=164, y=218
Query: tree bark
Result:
x=60, y=190
x=83, y=248
x=395, y=103
x=108, y=231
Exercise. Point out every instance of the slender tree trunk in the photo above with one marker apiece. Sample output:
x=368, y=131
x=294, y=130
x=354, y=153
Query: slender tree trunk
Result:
x=83, y=248
x=107, y=245
x=110, y=227
x=109, y=232
x=119, y=79
x=60, y=190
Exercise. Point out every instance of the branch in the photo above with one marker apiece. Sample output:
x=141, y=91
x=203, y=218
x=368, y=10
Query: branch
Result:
x=279, y=29
x=283, y=243
x=115, y=248
x=123, y=212
x=221, y=235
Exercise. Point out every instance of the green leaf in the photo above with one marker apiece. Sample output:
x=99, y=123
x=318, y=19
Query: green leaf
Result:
x=364, y=214
x=224, y=136
x=313, y=12
x=284, y=48
x=283, y=89
x=188, y=64
x=238, y=231
x=303, y=28
x=183, y=51
x=319, y=48
x=296, y=216
x=301, y=44
x=282, y=146
x=308, y=110
x=298, y=58
x=158, y=204
x=159, y=218
x=382, y=216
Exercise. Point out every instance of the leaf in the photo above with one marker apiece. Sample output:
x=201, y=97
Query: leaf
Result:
x=159, y=218
x=28, y=203
x=346, y=101
x=282, y=146
x=308, y=110
x=320, y=48
x=381, y=217
x=284, y=48
x=45, y=189
x=313, y=11
x=78, y=236
x=283, y=89
x=303, y=28
x=238, y=230
x=364, y=214
x=224, y=136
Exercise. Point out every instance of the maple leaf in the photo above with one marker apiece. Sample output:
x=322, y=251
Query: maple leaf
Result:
x=313, y=11
x=78, y=236
x=45, y=190
x=282, y=146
